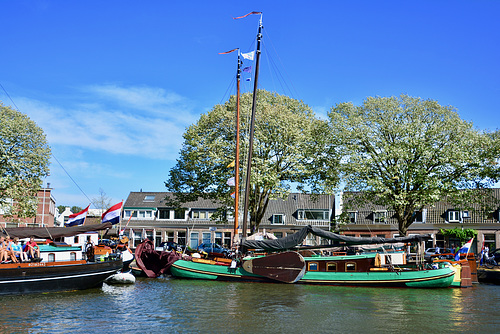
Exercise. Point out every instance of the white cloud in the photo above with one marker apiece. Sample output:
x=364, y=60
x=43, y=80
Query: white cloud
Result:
x=139, y=121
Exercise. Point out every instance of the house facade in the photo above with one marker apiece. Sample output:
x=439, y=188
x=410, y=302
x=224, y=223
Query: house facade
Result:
x=146, y=214
x=375, y=220
x=45, y=214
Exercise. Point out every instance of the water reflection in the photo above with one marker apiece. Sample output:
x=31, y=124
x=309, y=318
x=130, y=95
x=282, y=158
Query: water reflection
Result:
x=184, y=306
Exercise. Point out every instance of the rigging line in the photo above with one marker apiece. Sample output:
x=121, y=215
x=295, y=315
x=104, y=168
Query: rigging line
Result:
x=9, y=98
x=229, y=88
x=281, y=62
x=72, y=179
x=282, y=81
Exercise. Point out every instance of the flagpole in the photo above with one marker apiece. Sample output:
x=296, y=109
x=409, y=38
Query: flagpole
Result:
x=252, y=129
x=237, y=153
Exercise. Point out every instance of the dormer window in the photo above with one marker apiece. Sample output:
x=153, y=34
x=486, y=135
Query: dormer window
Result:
x=278, y=219
x=379, y=217
x=149, y=198
x=454, y=216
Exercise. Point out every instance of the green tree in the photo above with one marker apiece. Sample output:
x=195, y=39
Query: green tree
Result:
x=76, y=209
x=289, y=147
x=463, y=234
x=24, y=162
x=407, y=153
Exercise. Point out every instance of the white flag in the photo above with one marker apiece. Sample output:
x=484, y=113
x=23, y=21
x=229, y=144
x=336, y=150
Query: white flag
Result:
x=248, y=55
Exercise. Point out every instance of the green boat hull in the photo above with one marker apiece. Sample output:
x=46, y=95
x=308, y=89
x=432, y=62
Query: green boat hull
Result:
x=435, y=278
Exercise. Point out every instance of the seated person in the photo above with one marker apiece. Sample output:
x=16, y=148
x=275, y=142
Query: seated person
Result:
x=18, y=250
x=10, y=250
x=3, y=250
x=31, y=248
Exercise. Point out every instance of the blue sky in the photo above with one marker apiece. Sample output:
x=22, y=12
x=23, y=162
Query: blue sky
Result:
x=114, y=84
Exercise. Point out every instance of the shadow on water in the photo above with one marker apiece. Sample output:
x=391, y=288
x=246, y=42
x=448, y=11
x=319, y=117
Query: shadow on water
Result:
x=189, y=306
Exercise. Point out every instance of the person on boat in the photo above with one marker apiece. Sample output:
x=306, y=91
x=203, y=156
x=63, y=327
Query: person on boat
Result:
x=10, y=250
x=3, y=250
x=89, y=249
x=18, y=250
x=438, y=250
x=32, y=248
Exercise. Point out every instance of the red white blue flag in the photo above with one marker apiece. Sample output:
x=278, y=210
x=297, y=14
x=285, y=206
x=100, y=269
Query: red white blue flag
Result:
x=77, y=218
x=464, y=250
x=112, y=215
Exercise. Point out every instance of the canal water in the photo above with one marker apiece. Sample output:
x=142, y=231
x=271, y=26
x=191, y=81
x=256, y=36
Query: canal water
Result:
x=168, y=305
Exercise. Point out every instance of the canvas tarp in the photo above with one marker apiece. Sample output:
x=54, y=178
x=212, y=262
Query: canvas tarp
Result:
x=296, y=239
x=51, y=232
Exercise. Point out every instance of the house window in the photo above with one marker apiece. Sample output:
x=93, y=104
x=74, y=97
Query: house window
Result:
x=218, y=238
x=130, y=213
x=353, y=216
x=278, y=234
x=164, y=213
x=169, y=236
x=194, y=243
x=181, y=238
x=278, y=219
x=331, y=266
x=227, y=238
x=180, y=214
x=420, y=216
x=454, y=216
x=201, y=214
x=206, y=237
x=149, y=198
x=145, y=214
x=312, y=266
x=489, y=240
x=312, y=214
x=465, y=214
x=350, y=266
x=379, y=217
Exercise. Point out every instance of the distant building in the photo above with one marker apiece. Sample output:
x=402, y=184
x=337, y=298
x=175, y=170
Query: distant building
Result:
x=45, y=215
x=148, y=215
x=376, y=220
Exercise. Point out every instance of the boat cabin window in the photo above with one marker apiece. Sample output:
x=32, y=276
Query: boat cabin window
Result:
x=72, y=256
x=350, y=266
x=331, y=266
x=312, y=266
x=52, y=257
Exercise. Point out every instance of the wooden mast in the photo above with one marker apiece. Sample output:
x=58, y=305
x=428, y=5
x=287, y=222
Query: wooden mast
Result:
x=237, y=154
x=252, y=129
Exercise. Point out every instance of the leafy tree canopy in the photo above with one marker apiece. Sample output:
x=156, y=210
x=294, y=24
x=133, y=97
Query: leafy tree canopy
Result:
x=290, y=146
x=406, y=153
x=464, y=234
x=24, y=162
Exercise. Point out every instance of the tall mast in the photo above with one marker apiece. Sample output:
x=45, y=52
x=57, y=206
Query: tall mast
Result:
x=252, y=128
x=237, y=158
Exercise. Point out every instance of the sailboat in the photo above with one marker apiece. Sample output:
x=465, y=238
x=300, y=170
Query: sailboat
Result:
x=281, y=262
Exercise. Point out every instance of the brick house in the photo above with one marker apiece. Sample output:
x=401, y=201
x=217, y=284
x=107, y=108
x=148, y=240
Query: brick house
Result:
x=375, y=220
x=45, y=214
x=147, y=214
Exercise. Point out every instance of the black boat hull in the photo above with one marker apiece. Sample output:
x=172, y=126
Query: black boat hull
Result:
x=51, y=277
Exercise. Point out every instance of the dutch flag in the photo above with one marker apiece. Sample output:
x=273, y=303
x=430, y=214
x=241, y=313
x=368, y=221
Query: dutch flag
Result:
x=464, y=250
x=112, y=215
x=77, y=218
